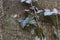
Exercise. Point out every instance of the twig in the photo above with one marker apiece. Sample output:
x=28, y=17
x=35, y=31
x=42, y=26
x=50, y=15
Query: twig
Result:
x=38, y=24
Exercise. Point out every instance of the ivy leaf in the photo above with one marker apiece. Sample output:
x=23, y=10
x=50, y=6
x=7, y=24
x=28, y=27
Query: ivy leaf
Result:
x=35, y=0
x=26, y=10
x=21, y=19
x=22, y=0
x=32, y=22
x=47, y=12
x=24, y=22
x=28, y=1
x=55, y=11
x=28, y=20
x=39, y=11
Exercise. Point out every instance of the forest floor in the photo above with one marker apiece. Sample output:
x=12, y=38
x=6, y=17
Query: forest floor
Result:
x=9, y=24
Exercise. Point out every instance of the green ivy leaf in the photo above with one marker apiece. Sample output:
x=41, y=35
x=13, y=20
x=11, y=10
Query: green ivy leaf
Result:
x=28, y=20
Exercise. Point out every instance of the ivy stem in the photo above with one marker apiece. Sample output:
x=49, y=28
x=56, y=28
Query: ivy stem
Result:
x=38, y=23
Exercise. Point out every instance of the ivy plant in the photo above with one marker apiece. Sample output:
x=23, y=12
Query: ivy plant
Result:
x=28, y=20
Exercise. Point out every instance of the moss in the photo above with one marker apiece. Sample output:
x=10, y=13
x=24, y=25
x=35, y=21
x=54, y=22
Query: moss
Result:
x=38, y=31
x=50, y=19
